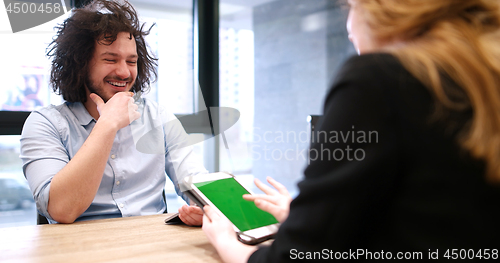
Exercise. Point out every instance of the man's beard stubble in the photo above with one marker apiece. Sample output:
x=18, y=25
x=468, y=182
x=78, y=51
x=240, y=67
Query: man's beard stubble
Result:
x=97, y=90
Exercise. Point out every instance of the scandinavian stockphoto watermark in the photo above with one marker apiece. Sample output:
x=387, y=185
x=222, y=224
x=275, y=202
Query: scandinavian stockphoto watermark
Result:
x=335, y=145
x=25, y=14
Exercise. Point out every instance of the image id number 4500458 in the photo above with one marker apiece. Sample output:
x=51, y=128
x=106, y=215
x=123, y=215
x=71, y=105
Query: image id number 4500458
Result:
x=471, y=254
x=32, y=8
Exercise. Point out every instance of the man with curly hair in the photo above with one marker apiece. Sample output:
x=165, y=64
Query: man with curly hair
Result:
x=82, y=159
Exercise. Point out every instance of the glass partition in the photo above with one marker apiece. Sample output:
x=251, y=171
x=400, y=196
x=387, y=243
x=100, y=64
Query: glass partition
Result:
x=17, y=207
x=26, y=70
x=277, y=60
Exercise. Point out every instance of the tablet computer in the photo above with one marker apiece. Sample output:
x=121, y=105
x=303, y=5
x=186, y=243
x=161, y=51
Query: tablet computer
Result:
x=225, y=194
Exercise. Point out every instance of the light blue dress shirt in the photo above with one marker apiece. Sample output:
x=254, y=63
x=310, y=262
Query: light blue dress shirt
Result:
x=144, y=152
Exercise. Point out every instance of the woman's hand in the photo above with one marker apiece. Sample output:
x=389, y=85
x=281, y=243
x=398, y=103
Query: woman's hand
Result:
x=277, y=203
x=218, y=229
x=220, y=233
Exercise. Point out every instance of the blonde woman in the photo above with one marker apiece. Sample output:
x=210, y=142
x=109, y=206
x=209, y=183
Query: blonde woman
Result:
x=427, y=81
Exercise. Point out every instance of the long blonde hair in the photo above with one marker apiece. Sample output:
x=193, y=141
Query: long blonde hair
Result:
x=455, y=38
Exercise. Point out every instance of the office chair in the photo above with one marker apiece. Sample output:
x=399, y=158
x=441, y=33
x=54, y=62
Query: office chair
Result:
x=41, y=220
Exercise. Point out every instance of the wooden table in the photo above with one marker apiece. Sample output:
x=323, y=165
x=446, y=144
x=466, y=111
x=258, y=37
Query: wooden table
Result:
x=131, y=239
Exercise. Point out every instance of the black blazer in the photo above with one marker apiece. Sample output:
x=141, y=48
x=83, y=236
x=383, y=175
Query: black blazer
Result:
x=401, y=184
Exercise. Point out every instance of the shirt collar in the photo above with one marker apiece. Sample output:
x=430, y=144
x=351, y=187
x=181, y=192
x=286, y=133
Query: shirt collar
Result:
x=81, y=113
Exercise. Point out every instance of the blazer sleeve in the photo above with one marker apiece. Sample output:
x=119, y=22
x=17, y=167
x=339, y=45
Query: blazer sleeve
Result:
x=353, y=166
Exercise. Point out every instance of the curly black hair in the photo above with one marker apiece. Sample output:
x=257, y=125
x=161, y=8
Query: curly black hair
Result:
x=74, y=45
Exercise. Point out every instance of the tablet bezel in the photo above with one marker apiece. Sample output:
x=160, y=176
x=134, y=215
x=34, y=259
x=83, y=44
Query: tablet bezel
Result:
x=252, y=236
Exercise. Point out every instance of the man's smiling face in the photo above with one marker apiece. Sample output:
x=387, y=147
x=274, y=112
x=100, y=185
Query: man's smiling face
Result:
x=113, y=68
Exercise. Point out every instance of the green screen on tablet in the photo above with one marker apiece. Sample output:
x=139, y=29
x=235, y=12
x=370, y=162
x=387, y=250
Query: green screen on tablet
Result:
x=226, y=195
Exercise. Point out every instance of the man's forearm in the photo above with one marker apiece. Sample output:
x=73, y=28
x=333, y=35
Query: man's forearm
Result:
x=73, y=189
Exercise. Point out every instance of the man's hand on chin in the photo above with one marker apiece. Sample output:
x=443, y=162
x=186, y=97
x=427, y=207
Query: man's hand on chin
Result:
x=119, y=111
x=191, y=215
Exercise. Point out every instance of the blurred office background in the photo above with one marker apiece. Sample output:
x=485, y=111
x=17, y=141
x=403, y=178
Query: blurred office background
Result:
x=276, y=60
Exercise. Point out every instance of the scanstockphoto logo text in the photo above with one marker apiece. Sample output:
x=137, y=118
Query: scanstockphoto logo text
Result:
x=25, y=14
x=341, y=145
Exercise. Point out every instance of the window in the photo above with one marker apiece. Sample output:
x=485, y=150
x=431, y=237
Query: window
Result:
x=17, y=206
x=25, y=70
x=171, y=41
x=277, y=59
